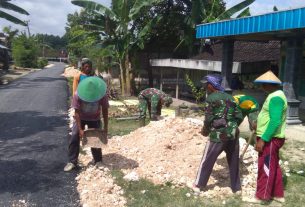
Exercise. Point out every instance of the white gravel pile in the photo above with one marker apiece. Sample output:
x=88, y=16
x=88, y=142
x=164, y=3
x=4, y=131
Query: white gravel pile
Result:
x=168, y=150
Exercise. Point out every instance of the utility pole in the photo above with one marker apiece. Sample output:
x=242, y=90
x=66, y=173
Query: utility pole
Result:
x=27, y=25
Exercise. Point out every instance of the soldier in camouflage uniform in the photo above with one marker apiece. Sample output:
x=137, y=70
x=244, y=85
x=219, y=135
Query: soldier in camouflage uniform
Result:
x=222, y=118
x=153, y=99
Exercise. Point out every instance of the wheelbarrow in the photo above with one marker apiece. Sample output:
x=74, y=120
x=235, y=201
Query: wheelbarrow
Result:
x=94, y=138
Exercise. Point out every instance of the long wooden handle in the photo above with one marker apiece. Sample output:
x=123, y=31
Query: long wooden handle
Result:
x=252, y=136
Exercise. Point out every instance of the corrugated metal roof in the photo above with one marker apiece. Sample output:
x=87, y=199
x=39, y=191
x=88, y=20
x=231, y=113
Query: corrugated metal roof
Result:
x=271, y=22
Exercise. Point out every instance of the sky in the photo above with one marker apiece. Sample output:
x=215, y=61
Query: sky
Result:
x=50, y=16
x=46, y=16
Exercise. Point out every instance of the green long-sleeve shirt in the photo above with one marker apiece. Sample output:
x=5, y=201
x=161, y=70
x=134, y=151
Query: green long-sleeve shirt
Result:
x=271, y=120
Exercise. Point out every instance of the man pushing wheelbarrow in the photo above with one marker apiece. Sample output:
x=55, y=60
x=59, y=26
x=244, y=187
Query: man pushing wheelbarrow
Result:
x=89, y=101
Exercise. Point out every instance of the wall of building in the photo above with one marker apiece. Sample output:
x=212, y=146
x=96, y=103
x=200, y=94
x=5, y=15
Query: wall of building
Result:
x=299, y=84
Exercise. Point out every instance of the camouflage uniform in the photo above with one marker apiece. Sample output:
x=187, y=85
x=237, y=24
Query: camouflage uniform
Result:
x=222, y=118
x=151, y=98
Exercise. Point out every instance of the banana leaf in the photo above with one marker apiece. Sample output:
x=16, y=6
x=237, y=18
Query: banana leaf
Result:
x=93, y=6
x=11, y=18
x=245, y=13
x=139, y=4
x=238, y=7
x=6, y=5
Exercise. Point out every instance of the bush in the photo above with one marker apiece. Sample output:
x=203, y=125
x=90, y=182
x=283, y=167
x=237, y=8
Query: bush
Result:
x=25, y=51
x=42, y=62
x=198, y=93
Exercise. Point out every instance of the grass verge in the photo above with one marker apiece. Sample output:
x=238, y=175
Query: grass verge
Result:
x=120, y=128
x=145, y=193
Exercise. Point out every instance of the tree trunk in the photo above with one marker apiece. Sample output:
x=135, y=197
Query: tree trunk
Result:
x=149, y=73
x=122, y=78
x=127, y=75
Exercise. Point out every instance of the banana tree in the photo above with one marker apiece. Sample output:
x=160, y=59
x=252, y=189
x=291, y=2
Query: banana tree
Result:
x=235, y=9
x=5, y=4
x=116, y=29
x=11, y=33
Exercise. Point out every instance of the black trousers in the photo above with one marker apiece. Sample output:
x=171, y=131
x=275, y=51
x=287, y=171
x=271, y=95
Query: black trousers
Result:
x=74, y=142
x=211, y=152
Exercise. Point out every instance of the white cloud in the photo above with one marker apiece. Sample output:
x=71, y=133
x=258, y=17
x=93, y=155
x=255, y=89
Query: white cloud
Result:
x=46, y=16
x=50, y=16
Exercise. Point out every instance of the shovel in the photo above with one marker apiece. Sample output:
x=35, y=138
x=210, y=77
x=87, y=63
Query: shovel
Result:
x=252, y=137
x=94, y=138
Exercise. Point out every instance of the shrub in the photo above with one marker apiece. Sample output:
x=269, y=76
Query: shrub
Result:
x=197, y=93
x=42, y=62
x=25, y=51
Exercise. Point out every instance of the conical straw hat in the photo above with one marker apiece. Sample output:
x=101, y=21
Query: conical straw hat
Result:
x=268, y=77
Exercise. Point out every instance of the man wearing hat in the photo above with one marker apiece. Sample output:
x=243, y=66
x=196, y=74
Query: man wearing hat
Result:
x=85, y=71
x=153, y=99
x=89, y=101
x=271, y=123
x=222, y=118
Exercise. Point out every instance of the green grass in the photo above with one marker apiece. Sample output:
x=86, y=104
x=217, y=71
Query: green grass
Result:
x=120, y=128
x=164, y=195
x=294, y=184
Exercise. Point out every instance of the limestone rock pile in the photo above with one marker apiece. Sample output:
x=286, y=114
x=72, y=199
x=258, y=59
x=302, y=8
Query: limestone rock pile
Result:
x=169, y=150
x=96, y=186
x=70, y=72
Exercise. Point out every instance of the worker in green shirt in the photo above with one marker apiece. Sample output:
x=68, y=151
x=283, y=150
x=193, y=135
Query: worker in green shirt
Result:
x=271, y=123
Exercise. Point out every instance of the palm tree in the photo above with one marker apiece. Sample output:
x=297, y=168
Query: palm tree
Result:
x=115, y=26
x=5, y=4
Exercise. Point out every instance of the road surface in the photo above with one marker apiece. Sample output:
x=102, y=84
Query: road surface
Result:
x=33, y=141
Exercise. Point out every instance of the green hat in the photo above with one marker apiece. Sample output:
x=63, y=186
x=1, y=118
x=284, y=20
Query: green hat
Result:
x=91, y=89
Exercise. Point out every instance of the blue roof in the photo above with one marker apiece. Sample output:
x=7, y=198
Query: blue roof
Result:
x=271, y=22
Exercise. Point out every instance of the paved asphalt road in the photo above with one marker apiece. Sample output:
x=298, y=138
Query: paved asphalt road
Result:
x=33, y=141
